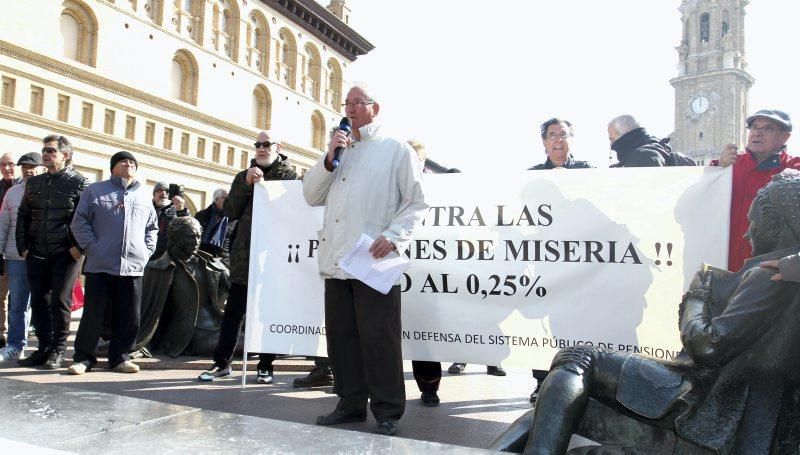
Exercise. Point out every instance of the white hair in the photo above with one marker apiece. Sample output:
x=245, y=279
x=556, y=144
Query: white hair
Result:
x=220, y=192
x=623, y=124
x=368, y=92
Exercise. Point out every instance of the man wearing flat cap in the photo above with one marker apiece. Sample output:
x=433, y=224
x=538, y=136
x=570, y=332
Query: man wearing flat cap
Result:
x=115, y=224
x=13, y=265
x=52, y=256
x=764, y=156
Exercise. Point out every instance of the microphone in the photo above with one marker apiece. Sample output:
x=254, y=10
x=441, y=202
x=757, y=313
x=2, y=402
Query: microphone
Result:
x=344, y=125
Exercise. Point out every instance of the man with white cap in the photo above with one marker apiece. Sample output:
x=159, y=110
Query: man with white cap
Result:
x=764, y=156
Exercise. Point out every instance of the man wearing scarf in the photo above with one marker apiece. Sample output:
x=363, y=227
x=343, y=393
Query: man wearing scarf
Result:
x=218, y=230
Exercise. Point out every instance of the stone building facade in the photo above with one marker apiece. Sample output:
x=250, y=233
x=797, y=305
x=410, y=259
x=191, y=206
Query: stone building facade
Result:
x=711, y=89
x=183, y=84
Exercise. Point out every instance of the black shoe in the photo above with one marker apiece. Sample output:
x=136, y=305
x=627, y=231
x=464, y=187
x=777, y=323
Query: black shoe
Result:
x=387, y=426
x=55, y=360
x=430, y=399
x=315, y=378
x=3, y=342
x=336, y=417
x=495, y=371
x=456, y=368
x=535, y=394
x=39, y=357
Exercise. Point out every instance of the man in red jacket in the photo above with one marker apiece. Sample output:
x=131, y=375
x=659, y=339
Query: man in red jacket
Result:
x=764, y=157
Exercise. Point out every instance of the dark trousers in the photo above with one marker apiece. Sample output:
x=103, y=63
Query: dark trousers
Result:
x=118, y=300
x=231, y=326
x=51, y=315
x=363, y=331
x=540, y=375
x=427, y=374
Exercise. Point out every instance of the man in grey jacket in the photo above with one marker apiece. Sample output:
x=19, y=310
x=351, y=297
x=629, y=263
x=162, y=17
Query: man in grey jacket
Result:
x=116, y=225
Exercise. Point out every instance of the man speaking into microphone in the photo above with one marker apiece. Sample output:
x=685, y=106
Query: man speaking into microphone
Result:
x=376, y=189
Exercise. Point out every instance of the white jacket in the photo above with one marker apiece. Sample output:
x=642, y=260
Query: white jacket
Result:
x=376, y=190
x=8, y=221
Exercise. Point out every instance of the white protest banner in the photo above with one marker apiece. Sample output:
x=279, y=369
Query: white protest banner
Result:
x=508, y=269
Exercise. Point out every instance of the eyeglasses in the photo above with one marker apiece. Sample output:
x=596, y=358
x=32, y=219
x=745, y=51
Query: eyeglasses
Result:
x=265, y=144
x=361, y=103
x=46, y=150
x=9, y=164
x=553, y=136
x=766, y=130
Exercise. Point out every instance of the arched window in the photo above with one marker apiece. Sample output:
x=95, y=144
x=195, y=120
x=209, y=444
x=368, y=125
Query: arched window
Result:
x=285, y=58
x=262, y=108
x=333, y=95
x=258, y=43
x=704, y=30
x=317, y=130
x=725, y=22
x=226, y=28
x=79, y=32
x=185, y=75
x=311, y=71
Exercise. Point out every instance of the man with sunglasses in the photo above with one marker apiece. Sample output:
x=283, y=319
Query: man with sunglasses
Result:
x=377, y=191
x=269, y=164
x=52, y=255
x=764, y=157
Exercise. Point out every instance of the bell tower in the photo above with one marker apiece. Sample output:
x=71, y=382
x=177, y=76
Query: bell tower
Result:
x=340, y=10
x=711, y=89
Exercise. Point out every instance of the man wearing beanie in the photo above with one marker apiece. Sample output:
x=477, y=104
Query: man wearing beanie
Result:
x=52, y=256
x=166, y=211
x=13, y=265
x=115, y=224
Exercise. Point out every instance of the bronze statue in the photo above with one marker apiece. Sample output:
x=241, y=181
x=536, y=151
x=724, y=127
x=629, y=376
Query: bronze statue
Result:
x=184, y=295
x=734, y=388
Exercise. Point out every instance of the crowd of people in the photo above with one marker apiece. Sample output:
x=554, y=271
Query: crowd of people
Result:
x=54, y=226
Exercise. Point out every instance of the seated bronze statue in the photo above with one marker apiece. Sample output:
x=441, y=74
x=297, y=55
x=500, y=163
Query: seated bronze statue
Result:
x=734, y=388
x=183, y=296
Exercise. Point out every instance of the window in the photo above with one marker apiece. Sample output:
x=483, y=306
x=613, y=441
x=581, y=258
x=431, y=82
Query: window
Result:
x=245, y=160
x=201, y=148
x=185, y=143
x=37, y=100
x=231, y=156
x=226, y=28
x=317, y=130
x=184, y=77
x=154, y=9
x=311, y=71
x=261, y=108
x=215, y=152
x=167, y=138
x=188, y=20
x=704, y=32
x=87, y=114
x=63, y=107
x=258, y=42
x=9, y=91
x=285, y=62
x=130, y=127
x=108, y=123
x=149, y=133
x=333, y=95
x=79, y=32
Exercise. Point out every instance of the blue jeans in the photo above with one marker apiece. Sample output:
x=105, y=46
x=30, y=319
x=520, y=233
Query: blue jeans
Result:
x=19, y=309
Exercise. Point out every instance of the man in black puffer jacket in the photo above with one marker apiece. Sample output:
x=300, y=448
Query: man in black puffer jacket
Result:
x=52, y=255
x=557, y=139
x=269, y=164
x=634, y=147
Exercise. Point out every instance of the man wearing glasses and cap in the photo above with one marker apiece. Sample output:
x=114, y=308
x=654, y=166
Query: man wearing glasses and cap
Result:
x=269, y=164
x=764, y=156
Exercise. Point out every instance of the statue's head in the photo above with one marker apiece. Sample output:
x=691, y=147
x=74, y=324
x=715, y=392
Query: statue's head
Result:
x=183, y=236
x=775, y=214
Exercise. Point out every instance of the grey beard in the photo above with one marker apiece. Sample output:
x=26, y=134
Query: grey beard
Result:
x=266, y=162
x=162, y=203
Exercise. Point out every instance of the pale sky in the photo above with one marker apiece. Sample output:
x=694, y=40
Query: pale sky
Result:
x=474, y=80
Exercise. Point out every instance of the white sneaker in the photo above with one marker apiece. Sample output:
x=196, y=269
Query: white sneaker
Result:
x=126, y=367
x=78, y=368
x=9, y=353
